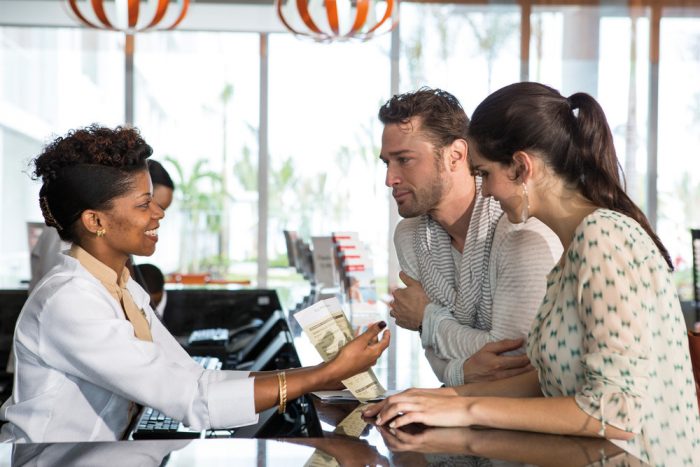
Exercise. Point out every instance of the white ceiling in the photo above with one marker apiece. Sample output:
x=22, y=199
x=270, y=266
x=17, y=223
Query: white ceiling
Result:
x=203, y=15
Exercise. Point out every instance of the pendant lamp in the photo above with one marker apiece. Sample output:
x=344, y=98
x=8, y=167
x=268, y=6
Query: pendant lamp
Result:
x=130, y=16
x=336, y=20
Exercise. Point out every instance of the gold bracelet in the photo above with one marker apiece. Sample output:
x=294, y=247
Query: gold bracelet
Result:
x=282, y=381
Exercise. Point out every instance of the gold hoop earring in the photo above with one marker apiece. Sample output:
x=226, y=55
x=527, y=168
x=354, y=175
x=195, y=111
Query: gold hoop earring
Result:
x=101, y=232
x=525, y=213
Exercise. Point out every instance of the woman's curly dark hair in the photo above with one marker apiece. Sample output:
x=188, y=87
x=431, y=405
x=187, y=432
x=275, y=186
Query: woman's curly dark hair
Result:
x=87, y=169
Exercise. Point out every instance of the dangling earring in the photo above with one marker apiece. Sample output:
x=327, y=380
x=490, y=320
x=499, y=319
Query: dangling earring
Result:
x=101, y=232
x=525, y=213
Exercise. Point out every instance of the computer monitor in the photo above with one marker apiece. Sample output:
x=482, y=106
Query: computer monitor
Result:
x=279, y=354
x=263, y=336
x=34, y=231
x=304, y=262
x=290, y=239
x=190, y=309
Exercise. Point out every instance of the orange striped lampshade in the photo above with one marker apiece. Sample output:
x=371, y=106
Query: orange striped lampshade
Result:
x=130, y=16
x=337, y=20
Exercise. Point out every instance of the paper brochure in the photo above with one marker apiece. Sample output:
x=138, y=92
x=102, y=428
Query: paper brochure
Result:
x=329, y=330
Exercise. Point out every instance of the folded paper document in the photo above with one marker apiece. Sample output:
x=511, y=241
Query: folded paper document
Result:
x=329, y=330
x=344, y=395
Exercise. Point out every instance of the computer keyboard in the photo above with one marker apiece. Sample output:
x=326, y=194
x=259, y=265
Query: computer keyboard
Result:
x=208, y=336
x=153, y=424
x=207, y=362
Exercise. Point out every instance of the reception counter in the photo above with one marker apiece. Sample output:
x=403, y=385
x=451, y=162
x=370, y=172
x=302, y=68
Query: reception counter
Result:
x=417, y=447
x=345, y=437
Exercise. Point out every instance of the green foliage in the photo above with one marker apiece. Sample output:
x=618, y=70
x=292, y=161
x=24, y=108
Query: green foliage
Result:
x=413, y=52
x=200, y=196
x=300, y=201
x=279, y=261
x=200, y=192
x=683, y=280
x=284, y=176
x=286, y=184
x=226, y=93
x=313, y=199
x=245, y=171
x=216, y=264
x=364, y=150
x=688, y=193
x=491, y=33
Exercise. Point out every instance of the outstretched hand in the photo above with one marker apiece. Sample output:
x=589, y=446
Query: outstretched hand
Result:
x=361, y=353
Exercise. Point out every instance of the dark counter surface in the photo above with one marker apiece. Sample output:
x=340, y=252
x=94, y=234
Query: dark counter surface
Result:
x=346, y=439
x=435, y=446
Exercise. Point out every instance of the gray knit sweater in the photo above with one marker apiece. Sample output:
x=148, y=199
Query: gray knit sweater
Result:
x=521, y=256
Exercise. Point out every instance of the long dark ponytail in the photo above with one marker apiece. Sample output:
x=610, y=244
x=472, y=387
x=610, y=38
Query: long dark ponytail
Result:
x=572, y=135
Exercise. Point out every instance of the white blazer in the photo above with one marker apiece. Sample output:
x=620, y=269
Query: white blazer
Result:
x=78, y=365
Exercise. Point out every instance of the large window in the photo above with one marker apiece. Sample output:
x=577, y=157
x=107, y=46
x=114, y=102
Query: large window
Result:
x=679, y=140
x=469, y=51
x=611, y=64
x=196, y=103
x=325, y=174
x=51, y=80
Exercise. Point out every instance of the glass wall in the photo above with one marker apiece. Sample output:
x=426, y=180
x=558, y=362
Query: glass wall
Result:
x=197, y=101
x=469, y=51
x=679, y=139
x=617, y=74
x=51, y=80
x=325, y=174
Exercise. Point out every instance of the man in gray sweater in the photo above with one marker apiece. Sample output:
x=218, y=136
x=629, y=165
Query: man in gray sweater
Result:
x=473, y=279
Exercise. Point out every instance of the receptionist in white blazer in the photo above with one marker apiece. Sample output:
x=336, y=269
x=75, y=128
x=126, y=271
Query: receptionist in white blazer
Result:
x=89, y=347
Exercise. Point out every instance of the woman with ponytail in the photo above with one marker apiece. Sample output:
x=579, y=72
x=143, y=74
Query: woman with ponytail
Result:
x=608, y=345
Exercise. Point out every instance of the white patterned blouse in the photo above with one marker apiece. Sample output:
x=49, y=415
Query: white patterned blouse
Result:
x=610, y=332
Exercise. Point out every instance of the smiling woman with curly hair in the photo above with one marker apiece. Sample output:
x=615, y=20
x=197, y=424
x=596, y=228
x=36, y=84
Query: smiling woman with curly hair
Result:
x=88, y=346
